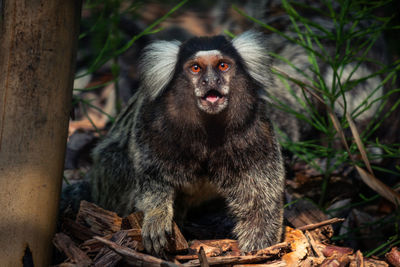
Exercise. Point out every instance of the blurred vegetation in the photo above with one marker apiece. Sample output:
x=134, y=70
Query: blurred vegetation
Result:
x=102, y=41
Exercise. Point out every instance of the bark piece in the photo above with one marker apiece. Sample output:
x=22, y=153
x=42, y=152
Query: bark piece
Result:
x=216, y=247
x=302, y=214
x=178, y=242
x=134, y=220
x=210, y=251
x=299, y=246
x=368, y=262
x=98, y=220
x=65, y=244
x=334, y=251
x=393, y=257
x=275, y=249
x=202, y=258
x=77, y=230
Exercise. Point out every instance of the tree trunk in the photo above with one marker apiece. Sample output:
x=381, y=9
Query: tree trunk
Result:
x=37, y=56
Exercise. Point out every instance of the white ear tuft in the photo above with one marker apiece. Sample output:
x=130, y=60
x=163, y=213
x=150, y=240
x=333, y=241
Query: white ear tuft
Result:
x=157, y=66
x=253, y=49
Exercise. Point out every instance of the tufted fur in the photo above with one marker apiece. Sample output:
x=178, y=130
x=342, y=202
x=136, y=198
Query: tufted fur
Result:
x=155, y=77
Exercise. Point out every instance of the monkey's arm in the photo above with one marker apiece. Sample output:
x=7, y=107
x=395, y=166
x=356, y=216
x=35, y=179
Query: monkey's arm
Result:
x=155, y=200
x=256, y=201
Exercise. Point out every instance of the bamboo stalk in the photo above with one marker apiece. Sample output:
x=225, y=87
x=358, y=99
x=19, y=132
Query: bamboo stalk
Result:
x=37, y=55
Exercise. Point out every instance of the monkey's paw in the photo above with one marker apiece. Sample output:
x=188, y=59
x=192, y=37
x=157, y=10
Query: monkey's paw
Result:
x=157, y=228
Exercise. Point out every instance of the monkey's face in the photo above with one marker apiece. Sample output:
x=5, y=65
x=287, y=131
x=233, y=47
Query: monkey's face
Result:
x=210, y=73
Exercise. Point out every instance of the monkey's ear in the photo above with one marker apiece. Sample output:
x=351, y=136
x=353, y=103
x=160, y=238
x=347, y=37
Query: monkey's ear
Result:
x=252, y=47
x=157, y=66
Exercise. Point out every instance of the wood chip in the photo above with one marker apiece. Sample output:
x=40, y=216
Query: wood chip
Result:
x=76, y=230
x=299, y=246
x=274, y=249
x=216, y=247
x=134, y=220
x=65, y=244
x=98, y=220
x=303, y=212
x=334, y=251
x=202, y=258
x=393, y=257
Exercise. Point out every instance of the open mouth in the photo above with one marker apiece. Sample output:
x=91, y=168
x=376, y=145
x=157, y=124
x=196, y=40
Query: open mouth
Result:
x=213, y=102
x=213, y=96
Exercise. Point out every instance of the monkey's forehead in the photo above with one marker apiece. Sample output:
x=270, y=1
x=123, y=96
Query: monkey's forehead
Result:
x=206, y=46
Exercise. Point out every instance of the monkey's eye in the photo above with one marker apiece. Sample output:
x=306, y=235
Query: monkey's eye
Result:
x=195, y=68
x=223, y=66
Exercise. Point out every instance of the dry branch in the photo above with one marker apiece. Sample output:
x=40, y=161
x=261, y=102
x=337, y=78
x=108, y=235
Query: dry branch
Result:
x=135, y=258
x=320, y=224
x=221, y=260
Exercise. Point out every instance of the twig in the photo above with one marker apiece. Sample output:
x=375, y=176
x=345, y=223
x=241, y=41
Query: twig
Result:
x=320, y=224
x=135, y=258
x=274, y=249
x=223, y=260
x=314, y=245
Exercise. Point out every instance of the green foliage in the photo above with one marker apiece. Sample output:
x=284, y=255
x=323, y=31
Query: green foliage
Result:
x=352, y=44
x=102, y=41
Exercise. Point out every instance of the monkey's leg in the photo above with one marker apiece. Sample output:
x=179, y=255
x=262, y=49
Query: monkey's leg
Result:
x=156, y=201
x=257, y=204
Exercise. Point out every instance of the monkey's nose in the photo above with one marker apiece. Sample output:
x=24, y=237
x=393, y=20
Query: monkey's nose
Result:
x=211, y=81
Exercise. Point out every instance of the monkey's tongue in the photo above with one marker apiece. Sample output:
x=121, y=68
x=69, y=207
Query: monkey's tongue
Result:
x=212, y=98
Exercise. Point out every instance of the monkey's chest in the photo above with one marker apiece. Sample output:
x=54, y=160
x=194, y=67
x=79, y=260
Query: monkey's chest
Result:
x=195, y=193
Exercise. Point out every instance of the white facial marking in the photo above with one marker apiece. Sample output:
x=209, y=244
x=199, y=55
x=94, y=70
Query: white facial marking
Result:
x=197, y=92
x=208, y=53
x=225, y=89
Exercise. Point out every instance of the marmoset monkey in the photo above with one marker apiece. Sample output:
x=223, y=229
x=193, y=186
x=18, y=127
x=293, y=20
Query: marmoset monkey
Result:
x=197, y=127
